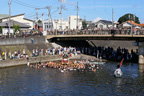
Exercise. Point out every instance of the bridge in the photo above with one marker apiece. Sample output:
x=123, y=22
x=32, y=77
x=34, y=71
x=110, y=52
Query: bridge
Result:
x=139, y=39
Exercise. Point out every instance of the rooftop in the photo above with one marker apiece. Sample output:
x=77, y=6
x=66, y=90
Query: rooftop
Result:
x=3, y=15
x=12, y=23
x=107, y=22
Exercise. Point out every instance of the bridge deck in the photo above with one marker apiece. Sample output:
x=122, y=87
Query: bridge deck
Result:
x=96, y=37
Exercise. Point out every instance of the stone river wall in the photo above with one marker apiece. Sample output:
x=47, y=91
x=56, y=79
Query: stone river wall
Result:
x=18, y=62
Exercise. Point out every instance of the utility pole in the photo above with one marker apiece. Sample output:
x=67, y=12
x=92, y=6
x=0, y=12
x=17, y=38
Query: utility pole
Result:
x=37, y=16
x=131, y=25
x=112, y=19
x=77, y=16
x=50, y=22
x=34, y=23
x=9, y=15
x=61, y=14
x=61, y=11
x=84, y=18
x=43, y=22
x=134, y=19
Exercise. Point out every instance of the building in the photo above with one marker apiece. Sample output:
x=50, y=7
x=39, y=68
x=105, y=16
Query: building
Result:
x=59, y=24
x=19, y=18
x=72, y=22
x=130, y=24
x=104, y=24
x=5, y=26
x=3, y=15
x=39, y=27
x=24, y=23
x=142, y=25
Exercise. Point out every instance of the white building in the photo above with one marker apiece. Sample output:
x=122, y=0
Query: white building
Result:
x=24, y=24
x=72, y=20
x=104, y=24
x=19, y=18
x=130, y=24
x=71, y=23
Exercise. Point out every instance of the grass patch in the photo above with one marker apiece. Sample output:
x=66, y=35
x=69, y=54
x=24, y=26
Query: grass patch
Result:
x=14, y=48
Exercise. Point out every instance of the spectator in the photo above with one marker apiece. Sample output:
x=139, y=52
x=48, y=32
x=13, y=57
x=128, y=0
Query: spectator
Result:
x=32, y=40
x=0, y=57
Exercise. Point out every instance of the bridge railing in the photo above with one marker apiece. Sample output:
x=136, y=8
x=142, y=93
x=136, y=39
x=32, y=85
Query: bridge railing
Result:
x=97, y=32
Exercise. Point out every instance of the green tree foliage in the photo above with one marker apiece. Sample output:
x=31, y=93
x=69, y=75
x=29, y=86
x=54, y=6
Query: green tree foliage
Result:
x=84, y=24
x=16, y=27
x=1, y=29
x=39, y=21
x=126, y=18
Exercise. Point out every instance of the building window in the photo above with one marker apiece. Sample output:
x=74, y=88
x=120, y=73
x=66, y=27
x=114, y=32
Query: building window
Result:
x=101, y=26
x=27, y=23
x=60, y=27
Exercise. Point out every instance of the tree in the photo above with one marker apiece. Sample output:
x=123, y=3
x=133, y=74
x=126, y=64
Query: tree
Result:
x=39, y=21
x=16, y=27
x=84, y=24
x=1, y=29
x=126, y=18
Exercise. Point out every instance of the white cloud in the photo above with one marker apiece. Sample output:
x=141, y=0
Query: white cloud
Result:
x=96, y=19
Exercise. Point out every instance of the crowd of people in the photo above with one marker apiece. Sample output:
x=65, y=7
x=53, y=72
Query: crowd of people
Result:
x=98, y=31
x=17, y=54
x=109, y=53
x=54, y=51
x=81, y=66
x=76, y=32
x=22, y=34
x=104, y=52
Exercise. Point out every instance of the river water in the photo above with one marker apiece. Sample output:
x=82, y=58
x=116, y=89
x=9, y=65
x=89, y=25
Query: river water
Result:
x=25, y=81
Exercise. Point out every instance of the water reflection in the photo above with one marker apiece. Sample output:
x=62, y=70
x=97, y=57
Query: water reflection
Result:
x=22, y=80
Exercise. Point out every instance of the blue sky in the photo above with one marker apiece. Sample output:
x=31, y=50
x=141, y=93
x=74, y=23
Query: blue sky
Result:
x=90, y=9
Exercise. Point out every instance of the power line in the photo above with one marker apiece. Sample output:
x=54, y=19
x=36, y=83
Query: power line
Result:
x=61, y=1
x=54, y=11
x=23, y=4
x=50, y=22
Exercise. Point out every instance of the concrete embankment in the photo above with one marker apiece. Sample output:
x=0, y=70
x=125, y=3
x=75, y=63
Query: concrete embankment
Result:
x=26, y=40
x=18, y=62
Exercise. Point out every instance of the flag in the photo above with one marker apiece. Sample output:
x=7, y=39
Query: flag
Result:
x=121, y=63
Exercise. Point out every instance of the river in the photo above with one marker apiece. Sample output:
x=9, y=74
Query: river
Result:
x=25, y=81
